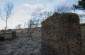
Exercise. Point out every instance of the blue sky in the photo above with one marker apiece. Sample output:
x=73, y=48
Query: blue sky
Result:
x=24, y=8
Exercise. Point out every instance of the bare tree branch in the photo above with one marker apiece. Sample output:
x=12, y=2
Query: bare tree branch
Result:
x=1, y=15
x=8, y=9
x=5, y=15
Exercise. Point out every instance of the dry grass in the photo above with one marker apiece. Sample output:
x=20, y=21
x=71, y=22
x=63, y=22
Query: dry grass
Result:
x=21, y=45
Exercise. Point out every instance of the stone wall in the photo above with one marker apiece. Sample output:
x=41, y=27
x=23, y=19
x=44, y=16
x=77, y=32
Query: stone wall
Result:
x=8, y=35
x=83, y=36
x=35, y=33
x=61, y=33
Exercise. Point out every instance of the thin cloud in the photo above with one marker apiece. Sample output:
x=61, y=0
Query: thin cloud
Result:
x=36, y=8
x=37, y=0
x=63, y=2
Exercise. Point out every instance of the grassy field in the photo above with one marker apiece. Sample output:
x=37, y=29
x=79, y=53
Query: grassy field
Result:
x=83, y=36
x=83, y=31
x=21, y=45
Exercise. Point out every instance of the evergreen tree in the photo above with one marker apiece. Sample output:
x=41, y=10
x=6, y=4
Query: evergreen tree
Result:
x=81, y=4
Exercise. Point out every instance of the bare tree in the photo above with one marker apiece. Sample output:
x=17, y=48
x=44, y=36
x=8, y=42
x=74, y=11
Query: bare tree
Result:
x=18, y=26
x=7, y=11
x=37, y=18
x=31, y=23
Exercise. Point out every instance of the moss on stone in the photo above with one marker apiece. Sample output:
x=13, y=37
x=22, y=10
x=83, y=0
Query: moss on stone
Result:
x=62, y=32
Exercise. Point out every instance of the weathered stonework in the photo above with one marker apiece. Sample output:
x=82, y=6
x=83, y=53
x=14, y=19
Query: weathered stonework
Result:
x=7, y=35
x=61, y=32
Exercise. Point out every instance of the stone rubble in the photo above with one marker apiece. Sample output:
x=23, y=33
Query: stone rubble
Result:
x=22, y=45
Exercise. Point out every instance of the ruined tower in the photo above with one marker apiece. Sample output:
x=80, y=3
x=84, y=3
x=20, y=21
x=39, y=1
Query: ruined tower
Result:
x=61, y=35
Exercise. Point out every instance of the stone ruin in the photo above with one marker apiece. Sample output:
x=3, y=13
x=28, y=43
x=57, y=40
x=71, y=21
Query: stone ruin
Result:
x=9, y=34
x=34, y=33
x=61, y=35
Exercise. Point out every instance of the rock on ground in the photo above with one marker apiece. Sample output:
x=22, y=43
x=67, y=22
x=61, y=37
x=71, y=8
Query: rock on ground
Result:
x=22, y=45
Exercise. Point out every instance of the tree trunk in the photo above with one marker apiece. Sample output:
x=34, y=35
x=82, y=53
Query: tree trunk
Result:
x=6, y=25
